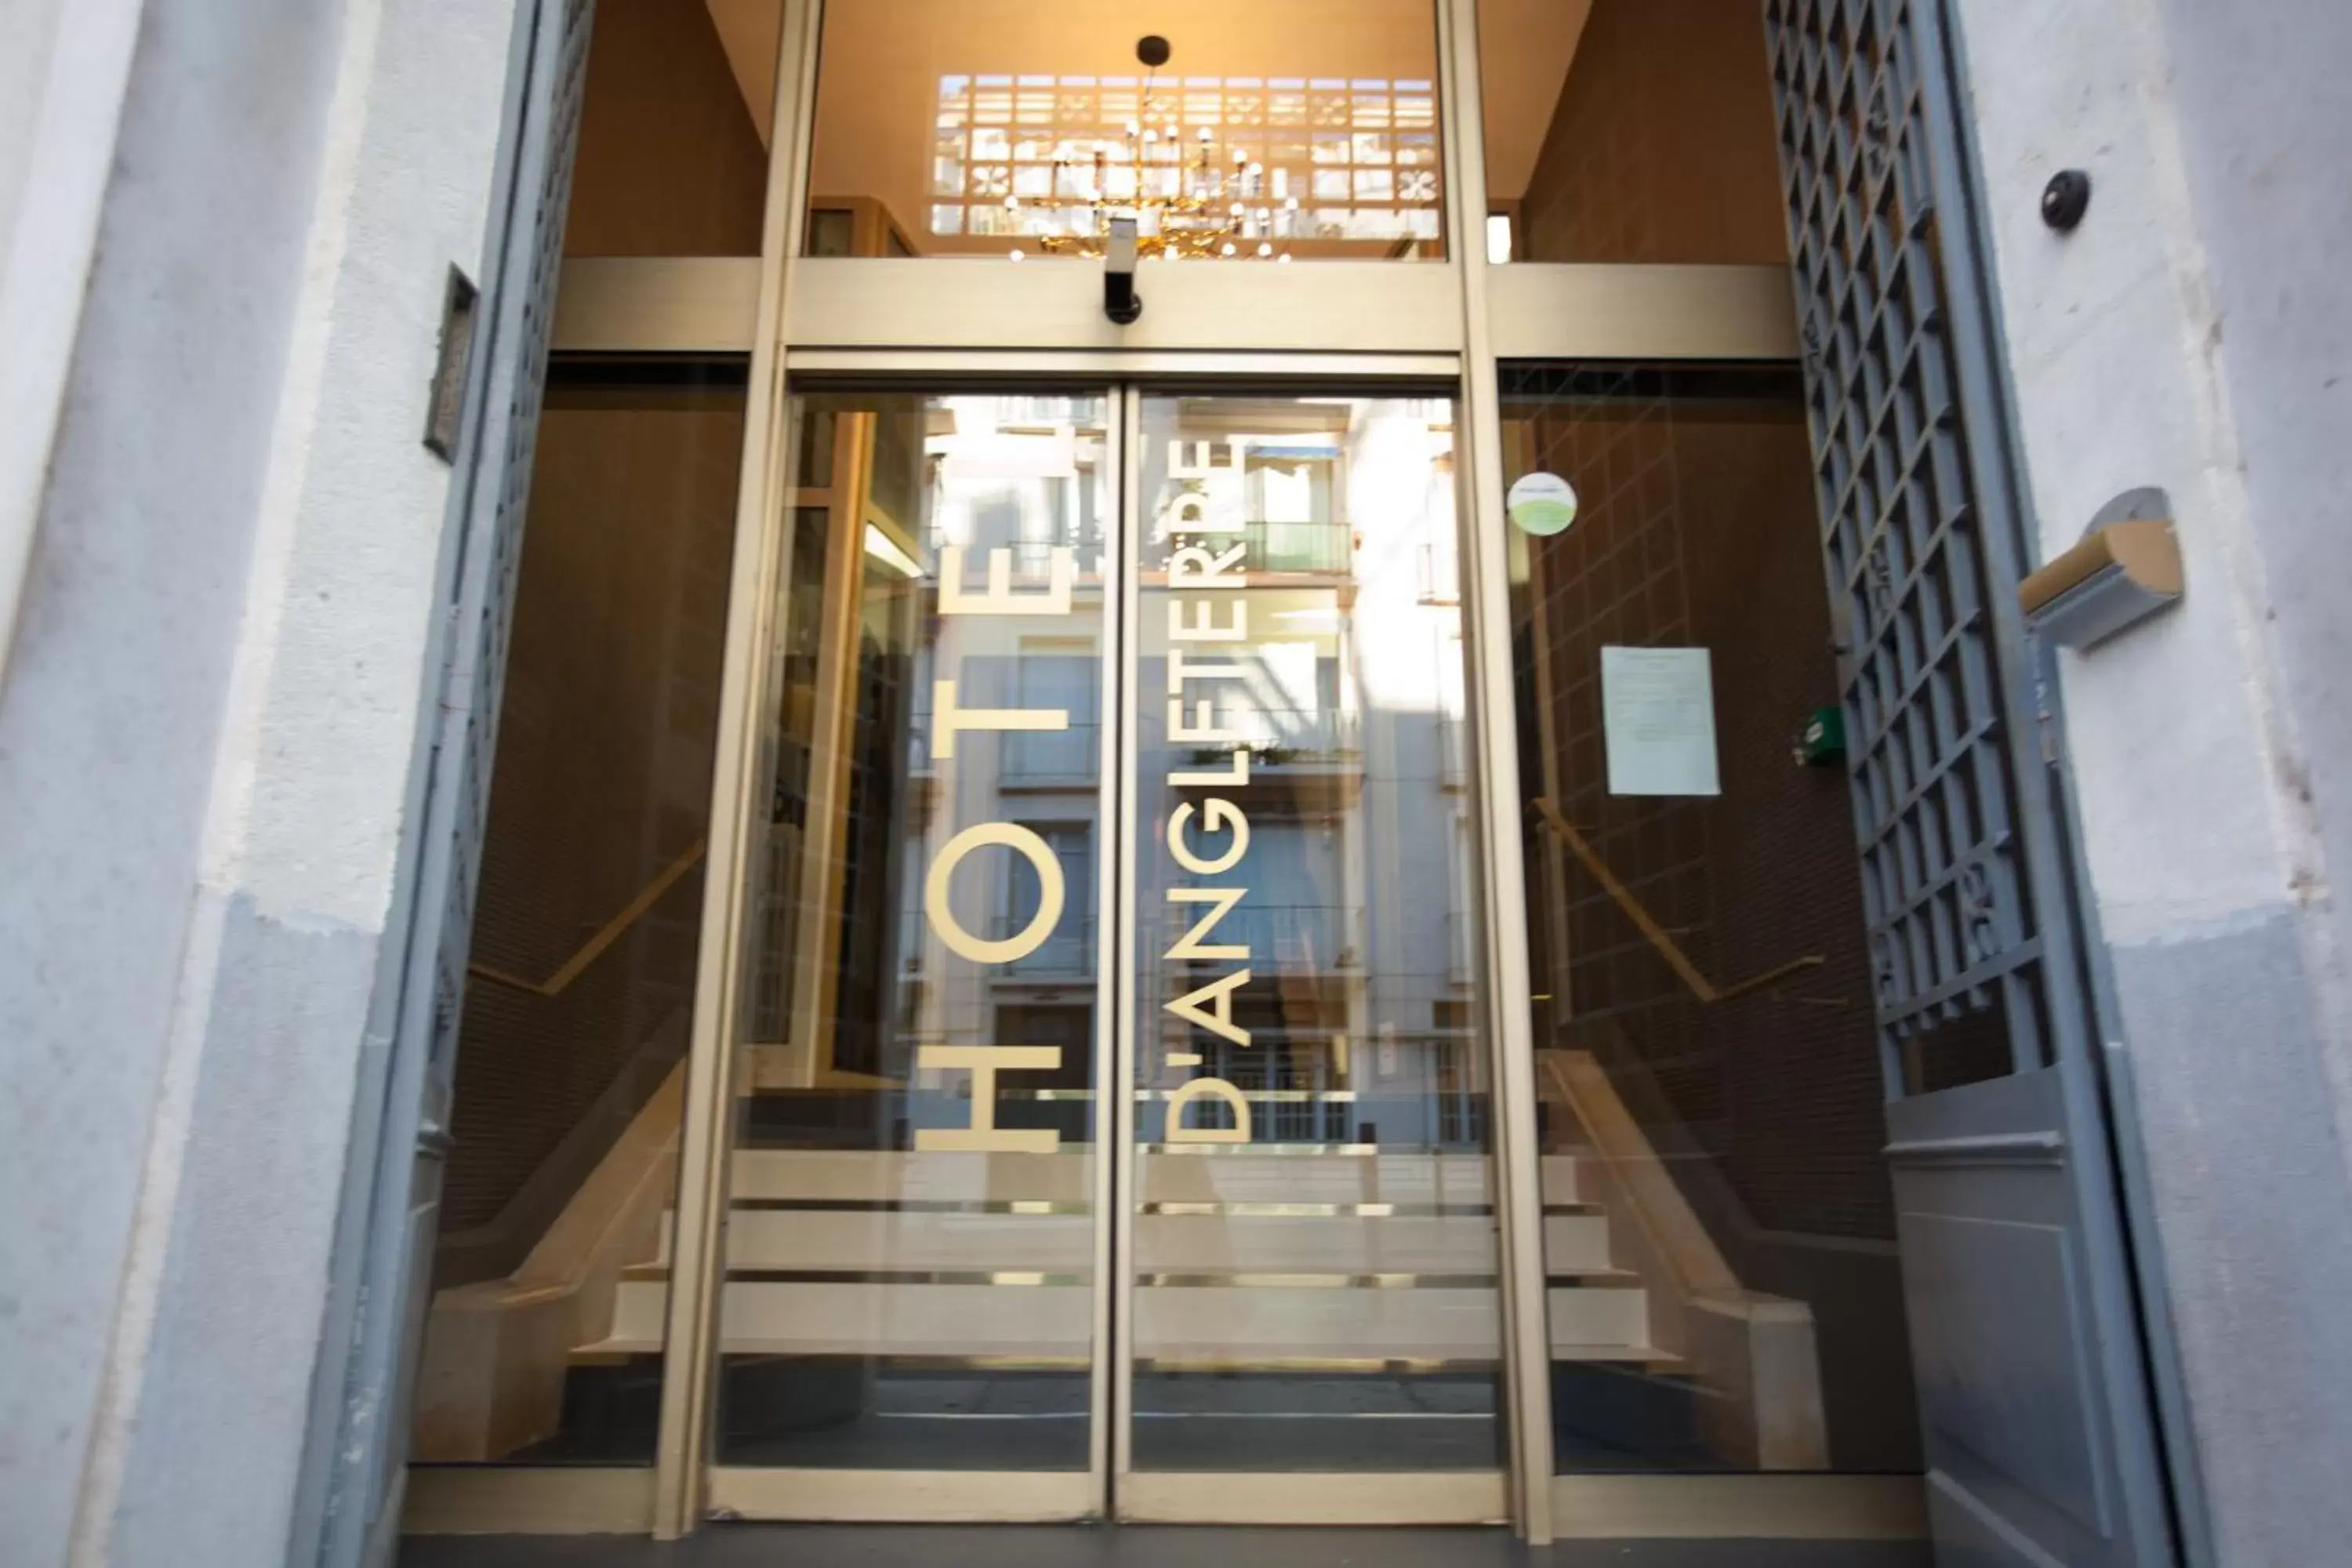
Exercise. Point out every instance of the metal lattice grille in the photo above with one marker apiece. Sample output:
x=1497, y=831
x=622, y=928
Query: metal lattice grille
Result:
x=364, y=1435
x=495, y=609
x=1857, y=88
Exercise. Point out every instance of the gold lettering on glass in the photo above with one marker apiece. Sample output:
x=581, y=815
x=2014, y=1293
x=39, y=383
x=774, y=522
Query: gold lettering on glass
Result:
x=948, y=719
x=1216, y=817
x=998, y=598
x=1217, y=1088
x=980, y=1134
x=1204, y=516
x=1201, y=629
x=1223, y=901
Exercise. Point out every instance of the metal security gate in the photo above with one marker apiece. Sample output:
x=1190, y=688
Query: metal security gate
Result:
x=2034, y=1395
x=348, y=1513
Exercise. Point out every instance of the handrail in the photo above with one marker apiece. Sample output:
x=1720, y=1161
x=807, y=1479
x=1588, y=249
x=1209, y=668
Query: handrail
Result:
x=1676, y=1235
x=611, y=931
x=1752, y=1350
x=1657, y=935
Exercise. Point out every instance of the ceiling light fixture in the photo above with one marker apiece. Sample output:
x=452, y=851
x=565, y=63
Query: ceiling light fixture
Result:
x=1186, y=199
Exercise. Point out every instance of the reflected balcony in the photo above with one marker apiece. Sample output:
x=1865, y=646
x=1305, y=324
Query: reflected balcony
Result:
x=1066, y=957
x=1437, y=573
x=1320, y=548
x=1313, y=548
x=1461, y=948
x=1291, y=940
x=1453, y=765
x=1042, y=760
x=1288, y=744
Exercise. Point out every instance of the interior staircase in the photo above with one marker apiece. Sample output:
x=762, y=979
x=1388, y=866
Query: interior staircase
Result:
x=1334, y=1280
x=1237, y=1256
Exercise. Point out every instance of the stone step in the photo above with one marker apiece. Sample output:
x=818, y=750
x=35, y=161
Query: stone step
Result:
x=1242, y=1319
x=1359, y=1239
x=1195, y=1174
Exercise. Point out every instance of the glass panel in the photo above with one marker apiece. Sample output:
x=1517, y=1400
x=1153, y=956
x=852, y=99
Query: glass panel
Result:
x=581, y=999
x=673, y=156
x=1019, y=127
x=1719, y=1234
x=910, y=1240
x=1315, y=1247
x=1631, y=131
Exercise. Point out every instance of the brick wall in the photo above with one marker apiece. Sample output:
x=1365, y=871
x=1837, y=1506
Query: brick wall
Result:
x=603, y=775
x=1697, y=529
x=670, y=163
x=1660, y=149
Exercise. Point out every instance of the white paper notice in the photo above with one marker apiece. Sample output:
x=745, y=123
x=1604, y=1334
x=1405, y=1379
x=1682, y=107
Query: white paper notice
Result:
x=1658, y=709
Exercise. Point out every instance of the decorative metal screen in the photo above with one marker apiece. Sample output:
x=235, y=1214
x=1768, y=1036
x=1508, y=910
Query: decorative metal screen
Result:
x=1341, y=158
x=1920, y=545
x=486, y=619
x=390, y=1213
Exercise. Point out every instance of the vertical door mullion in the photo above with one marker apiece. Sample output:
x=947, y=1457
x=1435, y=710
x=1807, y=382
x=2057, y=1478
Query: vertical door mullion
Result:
x=1127, y=405
x=1486, y=588
x=1109, y=957
x=762, y=531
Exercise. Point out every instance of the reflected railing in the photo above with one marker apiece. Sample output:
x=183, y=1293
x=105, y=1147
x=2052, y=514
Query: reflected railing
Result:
x=1453, y=738
x=1043, y=757
x=1067, y=952
x=1296, y=939
x=1414, y=1091
x=1015, y=411
x=1460, y=947
x=1288, y=737
x=1438, y=572
x=1034, y=557
x=1317, y=546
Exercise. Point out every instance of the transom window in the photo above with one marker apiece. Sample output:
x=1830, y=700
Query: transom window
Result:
x=1303, y=158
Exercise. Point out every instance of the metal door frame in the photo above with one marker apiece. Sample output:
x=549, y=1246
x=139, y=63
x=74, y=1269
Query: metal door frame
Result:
x=1335, y=324
x=917, y=1496
x=1480, y=1497
x=941, y=319
x=349, y=1494
x=1109, y=1488
x=2135, y=1392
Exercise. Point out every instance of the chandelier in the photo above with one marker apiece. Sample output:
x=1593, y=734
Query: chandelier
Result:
x=1189, y=198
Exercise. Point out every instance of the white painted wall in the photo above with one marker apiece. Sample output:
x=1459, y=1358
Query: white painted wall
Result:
x=62, y=72
x=2195, y=333
x=204, y=738
x=2267, y=140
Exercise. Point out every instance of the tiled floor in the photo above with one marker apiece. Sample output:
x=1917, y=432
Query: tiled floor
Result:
x=875, y=1546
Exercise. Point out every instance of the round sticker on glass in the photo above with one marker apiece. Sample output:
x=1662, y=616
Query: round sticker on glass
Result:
x=1541, y=504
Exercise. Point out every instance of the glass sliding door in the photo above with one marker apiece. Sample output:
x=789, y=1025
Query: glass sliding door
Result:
x=1311, y=1257
x=1707, y=1056
x=1110, y=1119
x=572, y=1042
x=909, y=1260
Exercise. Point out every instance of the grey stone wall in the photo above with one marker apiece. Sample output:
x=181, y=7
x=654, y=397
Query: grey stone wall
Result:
x=2195, y=333
x=206, y=723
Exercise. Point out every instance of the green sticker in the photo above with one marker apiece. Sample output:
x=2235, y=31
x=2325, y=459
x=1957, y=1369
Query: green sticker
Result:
x=1541, y=504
